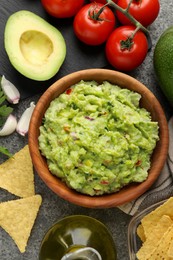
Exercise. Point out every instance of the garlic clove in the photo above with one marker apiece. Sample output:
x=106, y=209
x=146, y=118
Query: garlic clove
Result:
x=24, y=121
x=11, y=92
x=9, y=126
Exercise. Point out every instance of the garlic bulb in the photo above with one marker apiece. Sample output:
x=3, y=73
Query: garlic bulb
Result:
x=11, y=92
x=24, y=121
x=9, y=126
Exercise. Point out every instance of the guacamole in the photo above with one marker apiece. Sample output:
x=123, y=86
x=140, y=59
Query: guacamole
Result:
x=97, y=139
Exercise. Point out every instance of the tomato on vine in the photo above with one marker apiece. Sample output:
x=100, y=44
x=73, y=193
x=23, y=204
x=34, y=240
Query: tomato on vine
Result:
x=62, y=8
x=144, y=11
x=93, y=23
x=126, y=48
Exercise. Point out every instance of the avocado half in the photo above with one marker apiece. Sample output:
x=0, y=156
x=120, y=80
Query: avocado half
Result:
x=35, y=48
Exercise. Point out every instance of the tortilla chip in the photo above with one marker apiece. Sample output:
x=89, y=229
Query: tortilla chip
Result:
x=151, y=219
x=17, y=218
x=170, y=250
x=161, y=251
x=154, y=238
x=141, y=233
x=16, y=174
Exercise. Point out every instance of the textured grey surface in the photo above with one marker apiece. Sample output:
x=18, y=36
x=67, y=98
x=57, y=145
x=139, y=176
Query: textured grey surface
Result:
x=54, y=208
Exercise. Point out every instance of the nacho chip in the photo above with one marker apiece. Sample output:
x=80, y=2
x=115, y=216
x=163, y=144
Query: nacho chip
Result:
x=170, y=250
x=151, y=219
x=161, y=251
x=141, y=233
x=154, y=238
x=17, y=218
x=16, y=174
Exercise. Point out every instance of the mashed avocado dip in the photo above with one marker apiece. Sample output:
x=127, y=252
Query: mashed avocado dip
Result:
x=97, y=139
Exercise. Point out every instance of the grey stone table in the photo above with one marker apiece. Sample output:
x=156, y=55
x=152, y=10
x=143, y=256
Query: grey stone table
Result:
x=54, y=208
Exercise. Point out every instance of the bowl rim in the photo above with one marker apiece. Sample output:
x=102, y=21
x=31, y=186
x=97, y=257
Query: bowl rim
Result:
x=127, y=193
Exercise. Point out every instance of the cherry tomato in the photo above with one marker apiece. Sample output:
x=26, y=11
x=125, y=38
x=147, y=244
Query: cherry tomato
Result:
x=102, y=1
x=62, y=8
x=125, y=52
x=94, y=23
x=144, y=11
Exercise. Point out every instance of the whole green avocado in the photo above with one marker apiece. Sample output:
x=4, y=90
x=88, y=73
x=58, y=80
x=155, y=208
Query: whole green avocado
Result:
x=163, y=63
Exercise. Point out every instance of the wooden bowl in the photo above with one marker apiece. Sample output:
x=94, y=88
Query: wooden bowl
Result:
x=127, y=193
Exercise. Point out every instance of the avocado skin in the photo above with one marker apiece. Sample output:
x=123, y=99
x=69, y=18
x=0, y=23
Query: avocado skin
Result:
x=19, y=24
x=163, y=63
